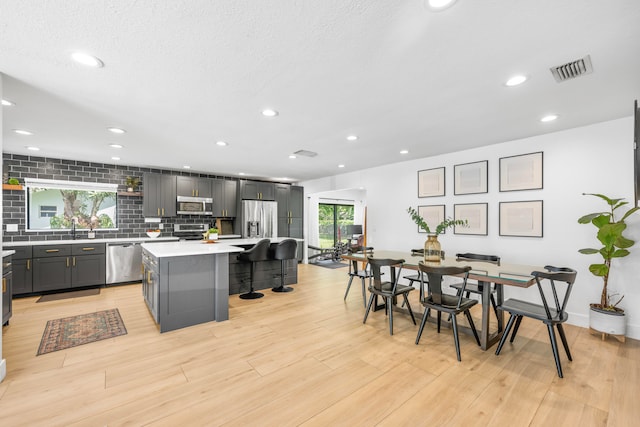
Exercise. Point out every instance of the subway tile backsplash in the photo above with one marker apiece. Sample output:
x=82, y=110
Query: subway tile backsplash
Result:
x=130, y=219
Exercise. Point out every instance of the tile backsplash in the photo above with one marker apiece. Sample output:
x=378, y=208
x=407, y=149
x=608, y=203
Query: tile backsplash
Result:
x=130, y=219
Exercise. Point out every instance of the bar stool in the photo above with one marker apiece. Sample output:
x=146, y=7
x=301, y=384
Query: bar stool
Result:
x=258, y=252
x=283, y=251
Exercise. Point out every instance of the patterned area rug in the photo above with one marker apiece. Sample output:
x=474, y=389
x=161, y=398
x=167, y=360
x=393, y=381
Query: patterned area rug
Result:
x=67, y=332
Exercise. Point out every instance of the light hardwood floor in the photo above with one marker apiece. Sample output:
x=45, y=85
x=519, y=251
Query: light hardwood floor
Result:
x=305, y=358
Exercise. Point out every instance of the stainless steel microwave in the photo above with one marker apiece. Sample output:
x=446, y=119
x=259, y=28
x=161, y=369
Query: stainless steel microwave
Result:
x=194, y=205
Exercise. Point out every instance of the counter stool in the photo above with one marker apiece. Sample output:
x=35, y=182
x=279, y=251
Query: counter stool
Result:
x=283, y=251
x=258, y=252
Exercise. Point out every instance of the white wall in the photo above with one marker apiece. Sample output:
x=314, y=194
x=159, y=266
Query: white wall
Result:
x=3, y=362
x=593, y=159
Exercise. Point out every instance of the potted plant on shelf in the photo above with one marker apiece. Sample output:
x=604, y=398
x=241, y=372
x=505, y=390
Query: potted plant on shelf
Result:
x=132, y=183
x=432, y=247
x=605, y=316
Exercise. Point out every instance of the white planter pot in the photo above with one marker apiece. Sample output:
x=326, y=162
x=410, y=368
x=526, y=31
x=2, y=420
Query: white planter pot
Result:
x=213, y=236
x=607, y=322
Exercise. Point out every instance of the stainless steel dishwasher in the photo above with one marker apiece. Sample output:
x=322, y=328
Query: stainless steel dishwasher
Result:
x=124, y=262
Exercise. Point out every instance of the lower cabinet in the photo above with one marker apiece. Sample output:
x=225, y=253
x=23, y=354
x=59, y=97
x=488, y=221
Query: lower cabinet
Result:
x=7, y=280
x=59, y=267
x=150, y=284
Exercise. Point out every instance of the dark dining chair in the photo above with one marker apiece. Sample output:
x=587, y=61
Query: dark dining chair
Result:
x=388, y=290
x=474, y=287
x=361, y=274
x=259, y=252
x=553, y=314
x=441, y=302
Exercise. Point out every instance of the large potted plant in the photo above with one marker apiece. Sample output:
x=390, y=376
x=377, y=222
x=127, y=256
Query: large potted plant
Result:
x=432, y=247
x=605, y=316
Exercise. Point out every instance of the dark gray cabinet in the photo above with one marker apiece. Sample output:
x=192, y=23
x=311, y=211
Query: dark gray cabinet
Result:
x=58, y=267
x=7, y=294
x=257, y=190
x=88, y=264
x=225, y=196
x=159, y=195
x=150, y=284
x=190, y=186
x=52, y=273
x=290, y=210
x=22, y=270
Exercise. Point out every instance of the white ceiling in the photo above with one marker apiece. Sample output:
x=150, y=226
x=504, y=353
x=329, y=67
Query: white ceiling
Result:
x=180, y=75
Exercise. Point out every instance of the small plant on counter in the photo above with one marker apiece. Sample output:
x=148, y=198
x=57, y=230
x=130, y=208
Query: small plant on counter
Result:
x=440, y=228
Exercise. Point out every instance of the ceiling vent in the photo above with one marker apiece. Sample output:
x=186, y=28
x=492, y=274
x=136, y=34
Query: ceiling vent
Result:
x=305, y=153
x=572, y=69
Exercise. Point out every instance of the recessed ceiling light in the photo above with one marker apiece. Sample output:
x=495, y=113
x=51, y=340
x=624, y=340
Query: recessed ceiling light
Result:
x=269, y=113
x=33, y=148
x=86, y=59
x=187, y=167
x=438, y=5
x=352, y=137
x=340, y=166
x=221, y=143
x=516, y=80
x=292, y=156
x=549, y=118
x=404, y=151
x=22, y=132
x=7, y=103
x=116, y=146
x=241, y=173
x=116, y=130
x=115, y=158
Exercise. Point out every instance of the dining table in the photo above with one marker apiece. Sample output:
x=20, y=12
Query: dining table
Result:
x=485, y=273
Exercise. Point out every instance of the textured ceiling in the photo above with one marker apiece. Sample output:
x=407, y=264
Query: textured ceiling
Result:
x=181, y=75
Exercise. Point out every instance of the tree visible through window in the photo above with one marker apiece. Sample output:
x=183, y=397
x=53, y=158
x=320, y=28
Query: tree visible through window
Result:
x=333, y=220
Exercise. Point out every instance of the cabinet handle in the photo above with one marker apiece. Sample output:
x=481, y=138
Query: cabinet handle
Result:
x=67, y=262
x=148, y=276
x=6, y=264
x=28, y=264
x=197, y=193
x=142, y=269
x=52, y=250
x=4, y=285
x=162, y=211
x=158, y=211
x=88, y=249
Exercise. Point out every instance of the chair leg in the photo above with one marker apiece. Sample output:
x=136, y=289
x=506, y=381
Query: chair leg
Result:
x=454, y=323
x=505, y=334
x=473, y=326
x=390, y=305
x=348, y=287
x=554, y=348
x=406, y=300
x=366, y=313
x=425, y=316
x=364, y=292
x=564, y=341
x=439, y=318
x=515, y=329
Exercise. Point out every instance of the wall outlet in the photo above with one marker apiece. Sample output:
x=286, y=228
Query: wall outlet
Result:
x=160, y=226
x=12, y=227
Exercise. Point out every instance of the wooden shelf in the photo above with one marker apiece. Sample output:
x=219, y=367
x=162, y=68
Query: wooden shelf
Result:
x=130, y=194
x=12, y=187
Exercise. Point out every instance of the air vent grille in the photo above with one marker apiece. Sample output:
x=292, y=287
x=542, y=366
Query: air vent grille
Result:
x=305, y=153
x=572, y=69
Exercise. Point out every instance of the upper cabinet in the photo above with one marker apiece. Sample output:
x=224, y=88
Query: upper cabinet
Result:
x=290, y=210
x=225, y=195
x=190, y=186
x=159, y=195
x=257, y=190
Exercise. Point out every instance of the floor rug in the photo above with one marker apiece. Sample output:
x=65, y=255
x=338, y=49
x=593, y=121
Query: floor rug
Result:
x=67, y=332
x=330, y=264
x=66, y=295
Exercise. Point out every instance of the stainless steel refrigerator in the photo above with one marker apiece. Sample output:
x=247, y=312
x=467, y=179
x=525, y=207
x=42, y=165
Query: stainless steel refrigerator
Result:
x=259, y=219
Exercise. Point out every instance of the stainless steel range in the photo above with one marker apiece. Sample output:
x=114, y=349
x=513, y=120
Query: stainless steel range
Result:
x=190, y=231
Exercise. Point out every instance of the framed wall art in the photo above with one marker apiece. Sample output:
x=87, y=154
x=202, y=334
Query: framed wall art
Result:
x=431, y=182
x=433, y=215
x=476, y=216
x=522, y=219
x=523, y=172
x=470, y=178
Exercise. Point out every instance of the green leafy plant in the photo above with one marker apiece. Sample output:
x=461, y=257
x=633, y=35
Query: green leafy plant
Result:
x=213, y=230
x=447, y=223
x=614, y=244
x=132, y=182
x=13, y=181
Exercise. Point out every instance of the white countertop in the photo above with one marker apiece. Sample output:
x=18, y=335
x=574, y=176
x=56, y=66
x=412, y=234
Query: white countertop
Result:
x=85, y=241
x=198, y=247
x=7, y=253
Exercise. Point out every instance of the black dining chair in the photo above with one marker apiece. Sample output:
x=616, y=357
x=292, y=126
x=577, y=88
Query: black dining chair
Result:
x=361, y=274
x=388, y=290
x=259, y=252
x=441, y=302
x=474, y=287
x=553, y=314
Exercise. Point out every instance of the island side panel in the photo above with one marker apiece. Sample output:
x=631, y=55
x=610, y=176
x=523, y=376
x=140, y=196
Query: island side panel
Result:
x=221, y=286
x=187, y=295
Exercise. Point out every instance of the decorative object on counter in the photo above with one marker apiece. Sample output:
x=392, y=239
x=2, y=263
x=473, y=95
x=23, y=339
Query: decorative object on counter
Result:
x=212, y=234
x=132, y=183
x=605, y=317
x=73, y=331
x=93, y=223
x=153, y=233
x=432, y=247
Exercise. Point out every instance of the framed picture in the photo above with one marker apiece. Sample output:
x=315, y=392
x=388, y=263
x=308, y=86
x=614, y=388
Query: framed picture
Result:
x=431, y=182
x=470, y=178
x=522, y=219
x=476, y=216
x=523, y=172
x=433, y=215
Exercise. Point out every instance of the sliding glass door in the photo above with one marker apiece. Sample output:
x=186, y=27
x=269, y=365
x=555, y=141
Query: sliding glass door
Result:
x=333, y=222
